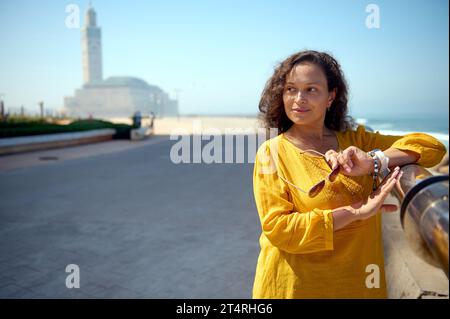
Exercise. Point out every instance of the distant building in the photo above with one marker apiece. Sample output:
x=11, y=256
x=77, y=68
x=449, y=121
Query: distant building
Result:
x=118, y=96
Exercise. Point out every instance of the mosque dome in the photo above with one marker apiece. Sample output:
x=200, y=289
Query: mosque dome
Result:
x=125, y=81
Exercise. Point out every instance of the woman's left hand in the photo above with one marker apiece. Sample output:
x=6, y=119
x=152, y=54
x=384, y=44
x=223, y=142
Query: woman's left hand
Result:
x=354, y=161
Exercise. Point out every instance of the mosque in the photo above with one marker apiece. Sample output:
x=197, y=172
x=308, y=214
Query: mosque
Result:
x=117, y=96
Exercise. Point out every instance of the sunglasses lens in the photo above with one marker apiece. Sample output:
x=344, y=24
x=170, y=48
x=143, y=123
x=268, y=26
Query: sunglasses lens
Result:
x=315, y=190
x=333, y=175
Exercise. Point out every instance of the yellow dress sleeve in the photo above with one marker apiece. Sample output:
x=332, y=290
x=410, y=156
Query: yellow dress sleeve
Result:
x=430, y=150
x=291, y=231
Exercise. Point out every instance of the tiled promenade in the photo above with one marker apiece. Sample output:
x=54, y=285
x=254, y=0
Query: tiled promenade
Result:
x=137, y=225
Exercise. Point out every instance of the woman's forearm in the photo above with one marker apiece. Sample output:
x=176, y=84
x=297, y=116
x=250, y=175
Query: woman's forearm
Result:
x=343, y=216
x=400, y=158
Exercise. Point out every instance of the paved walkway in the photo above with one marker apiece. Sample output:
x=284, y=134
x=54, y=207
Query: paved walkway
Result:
x=137, y=225
x=46, y=157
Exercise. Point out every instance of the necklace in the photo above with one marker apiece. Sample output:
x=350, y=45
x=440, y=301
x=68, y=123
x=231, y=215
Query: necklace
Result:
x=334, y=145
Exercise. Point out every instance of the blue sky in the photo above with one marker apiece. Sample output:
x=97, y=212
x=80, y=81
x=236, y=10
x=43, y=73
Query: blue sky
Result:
x=220, y=53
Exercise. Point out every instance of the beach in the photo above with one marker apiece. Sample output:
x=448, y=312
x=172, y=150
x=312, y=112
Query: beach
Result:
x=188, y=124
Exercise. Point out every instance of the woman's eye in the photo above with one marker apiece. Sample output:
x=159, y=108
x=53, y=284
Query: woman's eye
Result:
x=312, y=89
x=290, y=89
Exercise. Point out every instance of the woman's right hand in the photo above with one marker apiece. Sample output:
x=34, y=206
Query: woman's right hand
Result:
x=370, y=206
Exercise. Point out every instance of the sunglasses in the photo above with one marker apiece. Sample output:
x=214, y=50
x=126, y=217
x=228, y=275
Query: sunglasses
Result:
x=317, y=188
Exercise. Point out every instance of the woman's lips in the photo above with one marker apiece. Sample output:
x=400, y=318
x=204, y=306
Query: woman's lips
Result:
x=300, y=110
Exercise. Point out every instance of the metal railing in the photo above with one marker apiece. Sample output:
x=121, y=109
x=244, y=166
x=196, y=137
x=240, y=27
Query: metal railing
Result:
x=424, y=213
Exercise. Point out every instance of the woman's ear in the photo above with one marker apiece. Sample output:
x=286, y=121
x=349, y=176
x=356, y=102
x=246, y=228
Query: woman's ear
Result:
x=331, y=97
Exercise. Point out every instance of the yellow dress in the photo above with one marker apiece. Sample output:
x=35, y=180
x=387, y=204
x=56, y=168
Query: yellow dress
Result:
x=301, y=256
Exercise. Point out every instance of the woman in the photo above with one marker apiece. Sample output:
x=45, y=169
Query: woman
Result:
x=324, y=241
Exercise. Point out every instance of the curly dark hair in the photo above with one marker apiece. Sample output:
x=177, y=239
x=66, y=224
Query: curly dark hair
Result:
x=271, y=104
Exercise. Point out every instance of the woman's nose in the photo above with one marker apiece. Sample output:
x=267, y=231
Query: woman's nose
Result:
x=300, y=96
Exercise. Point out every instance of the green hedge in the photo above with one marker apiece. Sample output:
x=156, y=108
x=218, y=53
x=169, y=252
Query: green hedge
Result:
x=13, y=128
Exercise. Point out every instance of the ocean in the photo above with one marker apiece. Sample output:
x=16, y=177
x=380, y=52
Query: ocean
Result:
x=437, y=126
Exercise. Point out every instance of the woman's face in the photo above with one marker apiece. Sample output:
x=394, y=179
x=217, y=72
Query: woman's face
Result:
x=306, y=95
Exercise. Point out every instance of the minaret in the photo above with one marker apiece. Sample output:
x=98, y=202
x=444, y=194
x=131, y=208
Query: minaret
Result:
x=91, y=46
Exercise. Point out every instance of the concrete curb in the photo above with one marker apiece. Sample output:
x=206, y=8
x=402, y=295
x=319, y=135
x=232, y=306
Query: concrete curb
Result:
x=140, y=133
x=41, y=142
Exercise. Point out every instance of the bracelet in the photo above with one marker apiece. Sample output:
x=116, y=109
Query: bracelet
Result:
x=384, y=162
x=376, y=169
